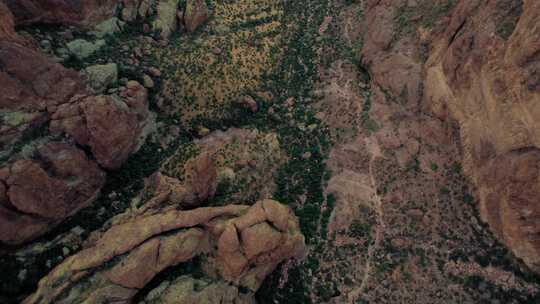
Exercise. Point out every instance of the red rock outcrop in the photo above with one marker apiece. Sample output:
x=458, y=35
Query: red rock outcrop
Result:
x=201, y=176
x=200, y=182
x=39, y=94
x=250, y=243
x=480, y=68
x=483, y=71
x=32, y=89
x=78, y=12
x=392, y=62
x=110, y=126
x=39, y=84
x=37, y=194
x=7, y=25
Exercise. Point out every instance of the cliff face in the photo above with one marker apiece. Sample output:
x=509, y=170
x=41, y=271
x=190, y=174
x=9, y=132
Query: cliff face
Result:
x=476, y=63
x=484, y=71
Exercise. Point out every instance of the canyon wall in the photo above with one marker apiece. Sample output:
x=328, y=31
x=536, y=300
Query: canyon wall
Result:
x=484, y=71
x=475, y=64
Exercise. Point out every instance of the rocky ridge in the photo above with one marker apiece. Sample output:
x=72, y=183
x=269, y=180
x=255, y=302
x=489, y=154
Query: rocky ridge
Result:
x=240, y=244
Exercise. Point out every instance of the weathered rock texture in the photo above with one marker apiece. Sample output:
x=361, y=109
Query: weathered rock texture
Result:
x=475, y=63
x=199, y=185
x=484, y=72
x=109, y=125
x=79, y=12
x=393, y=65
x=41, y=95
x=166, y=18
x=242, y=245
x=39, y=193
x=7, y=24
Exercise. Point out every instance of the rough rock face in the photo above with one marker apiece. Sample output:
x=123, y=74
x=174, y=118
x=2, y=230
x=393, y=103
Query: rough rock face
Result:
x=199, y=185
x=87, y=12
x=250, y=242
x=480, y=68
x=484, y=72
x=392, y=65
x=109, y=125
x=41, y=90
x=42, y=95
x=29, y=90
x=245, y=160
x=7, y=25
x=39, y=84
x=201, y=177
x=39, y=193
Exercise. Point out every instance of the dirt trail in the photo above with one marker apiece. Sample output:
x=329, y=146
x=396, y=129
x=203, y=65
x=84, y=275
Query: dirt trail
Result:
x=375, y=153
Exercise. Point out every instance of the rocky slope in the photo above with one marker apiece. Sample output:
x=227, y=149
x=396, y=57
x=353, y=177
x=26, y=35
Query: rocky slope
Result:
x=368, y=151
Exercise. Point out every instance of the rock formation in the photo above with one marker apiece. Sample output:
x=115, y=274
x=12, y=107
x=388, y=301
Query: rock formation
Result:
x=108, y=124
x=64, y=12
x=484, y=72
x=242, y=245
x=42, y=95
x=360, y=115
x=478, y=67
x=191, y=290
x=39, y=193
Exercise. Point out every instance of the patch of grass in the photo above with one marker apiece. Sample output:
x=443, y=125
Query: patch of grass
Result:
x=425, y=14
x=33, y=133
x=508, y=13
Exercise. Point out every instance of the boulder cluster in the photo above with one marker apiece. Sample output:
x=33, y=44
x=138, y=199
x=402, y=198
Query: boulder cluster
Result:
x=53, y=176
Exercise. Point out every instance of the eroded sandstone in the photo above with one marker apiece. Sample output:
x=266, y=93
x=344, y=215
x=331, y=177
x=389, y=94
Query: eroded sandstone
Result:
x=489, y=84
x=129, y=254
x=41, y=192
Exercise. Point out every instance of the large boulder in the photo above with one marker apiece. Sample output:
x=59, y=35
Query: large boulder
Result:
x=83, y=49
x=199, y=185
x=483, y=71
x=102, y=76
x=113, y=127
x=30, y=91
x=37, y=194
x=41, y=90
